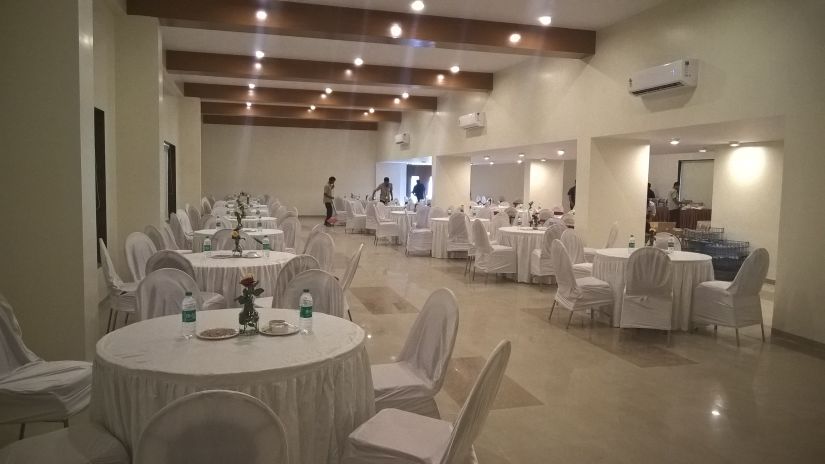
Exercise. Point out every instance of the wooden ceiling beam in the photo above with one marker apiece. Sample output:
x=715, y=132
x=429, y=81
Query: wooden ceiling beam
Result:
x=285, y=122
x=324, y=72
x=353, y=24
x=298, y=112
x=304, y=98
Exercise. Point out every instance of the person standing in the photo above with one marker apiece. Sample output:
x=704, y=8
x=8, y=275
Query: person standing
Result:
x=329, y=195
x=386, y=191
x=674, y=204
x=419, y=190
x=571, y=195
x=651, y=195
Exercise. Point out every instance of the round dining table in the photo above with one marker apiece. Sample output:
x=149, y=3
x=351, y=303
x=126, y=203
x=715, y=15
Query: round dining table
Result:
x=397, y=216
x=320, y=384
x=439, y=226
x=276, y=239
x=219, y=272
x=688, y=270
x=523, y=240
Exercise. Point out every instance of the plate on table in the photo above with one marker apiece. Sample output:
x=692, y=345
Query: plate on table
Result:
x=252, y=254
x=290, y=330
x=220, y=333
x=221, y=256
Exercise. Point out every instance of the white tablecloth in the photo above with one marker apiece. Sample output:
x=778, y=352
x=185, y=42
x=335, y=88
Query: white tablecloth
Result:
x=268, y=222
x=252, y=211
x=396, y=216
x=439, y=228
x=689, y=270
x=276, y=239
x=320, y=385
x=223, y=275
x=523, y=240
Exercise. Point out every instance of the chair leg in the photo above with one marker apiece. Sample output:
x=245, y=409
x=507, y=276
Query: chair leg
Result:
x=66, y=423
x=737, y=336
x=762, y=326
x=668, y=337
x=552, y=308
x=715, y=328
x=109, y=324
x=486, y=277
x=126, y=320
x=568, y=321
x=22, y=431
x=349, y=314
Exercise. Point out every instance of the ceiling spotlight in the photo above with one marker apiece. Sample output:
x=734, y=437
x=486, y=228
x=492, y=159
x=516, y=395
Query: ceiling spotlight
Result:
x=259, y=54
x=560, y=152
x=358, y=61
x=248, y=105
x=417, y=5
x=323, y=95
x=544, y=160
x=674, y=141
x=251, y=86
x=348, y=72
x=734, y=143
x=520, y=161
x=703, y=150
x=397, y=100
x=312, y=107
x=366, y=113
x=545, y=20
x=261, y=15
x=521, y=155
x=258, y=66
x=492, y=163
x=396, y=31
x=515, y=37
x=455, y=69
x=372, y=110
x=405, y=95
x=440, y=77
x=328, y=90
x=486, y=158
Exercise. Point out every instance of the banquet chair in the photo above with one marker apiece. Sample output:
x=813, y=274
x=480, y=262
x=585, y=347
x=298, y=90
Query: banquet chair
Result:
x=541, y=260
x=569, y=218
x=181, y=238
x=292, y=268
x=411, y=383
x=218, y=204
x=498, y=259
x=499, y=220
x=139, y=248
x=575, y=249
x=220, y=211
x=648, y=302
x=420, y=236
x=222, y=240
x=612, y=235
x=734, y=304
x=155, y=236
x=162, y=291
x=437, y=212
x=83, y=443
x=280, y=214
x=349, y=275
x=293, y=210
x=213, y=427
x=290, y=226
x=169, y=259
x=341, y=212
x=322, y=248
x=372, y=218
x=383, y=228
x=315, y=230
x=545, y=214
x=194, y=216
x=577, y=294
x=205, y=206
x=185, y=223
x=121, y=294
x=326, y=291
x=458, y=237
x=356, y=219
x=485, y=213
x=209, y=222
x=34, y=390
x=398, y=436
x=169, y=241
x=661, y=238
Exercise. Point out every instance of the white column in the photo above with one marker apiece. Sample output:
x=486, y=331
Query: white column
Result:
x=451, y=181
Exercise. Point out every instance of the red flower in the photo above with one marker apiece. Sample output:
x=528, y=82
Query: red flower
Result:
x=248, y=281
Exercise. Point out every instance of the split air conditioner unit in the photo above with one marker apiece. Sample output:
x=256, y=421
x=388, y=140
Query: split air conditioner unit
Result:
x=402, y=139
x=472, y=120
x=680, y=73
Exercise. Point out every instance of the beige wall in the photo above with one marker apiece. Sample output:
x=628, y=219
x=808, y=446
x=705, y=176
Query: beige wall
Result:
x=498, y=180
x=189, y=151
x=664, y=170
x=451, y=181
x=290, y=164
x=546, y=183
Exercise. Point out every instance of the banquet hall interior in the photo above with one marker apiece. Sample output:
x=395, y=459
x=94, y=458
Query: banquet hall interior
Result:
x=438, y=231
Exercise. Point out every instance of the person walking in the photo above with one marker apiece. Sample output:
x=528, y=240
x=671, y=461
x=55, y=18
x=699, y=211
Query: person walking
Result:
x=386, y=191
x=419, y=190
x=571, y=195
x=329, y=195
x=674, y=204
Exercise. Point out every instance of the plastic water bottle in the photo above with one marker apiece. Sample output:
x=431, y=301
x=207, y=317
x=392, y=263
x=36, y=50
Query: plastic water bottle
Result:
x=671, y=245
x=632, y=243
x=305, y=316
x=260, y=225
x=207, y=246
x=266, y=246
x=189, y=308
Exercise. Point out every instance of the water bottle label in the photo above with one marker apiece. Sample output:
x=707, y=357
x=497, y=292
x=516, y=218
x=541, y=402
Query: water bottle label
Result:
x=207, y=247
x=189, y=315
x=267, y=247
x=306, y=311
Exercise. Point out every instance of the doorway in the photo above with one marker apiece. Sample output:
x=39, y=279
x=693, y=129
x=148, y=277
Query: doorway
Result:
x=171, y=178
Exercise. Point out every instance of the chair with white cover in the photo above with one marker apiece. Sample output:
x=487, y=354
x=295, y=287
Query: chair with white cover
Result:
x=400, y=437
x=437, y=212
x=186, y=224
x=213, y=427
x=383, y=228
x=155, y=236
x=220, y=211
x=734, y=304
x=205, y=206
x=411, y=383
x=499, y=220
x=582, y=294
x=372, y=217
x=356, y=219
x=648, y=297
x=661, y=240
x=322, y=247
x=292, y=209
x=315, y=230
x=569, y=218
x=121, y=294
x=194, y=216
x=290, y=226
x=169, y=241
x=349, y=275
x=485, y=212
x=139, y=248
x=326, y=291
x=280, y=215
x=612, y=235
x=545, y=214
x=541, y=260
x=34, y=390
x=575, y=249
x=292, y=268
x=458, y=237
x=209, y=222
x=169, y=259
x=218, y=204
x=420, y=236
x=498, y=259
x=181, y=238
x=83, y=443
x=341, y=212
x=162, y=291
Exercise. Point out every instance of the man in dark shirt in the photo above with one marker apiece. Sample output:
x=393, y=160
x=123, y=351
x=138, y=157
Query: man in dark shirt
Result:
x=419, y=190
x=650, y=194
x=571, y=195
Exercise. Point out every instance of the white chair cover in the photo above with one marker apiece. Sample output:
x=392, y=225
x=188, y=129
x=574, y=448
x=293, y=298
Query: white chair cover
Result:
x=569, y=218
x=121, y=294
x=372, y=217
x=327, y=295
x=155, y=236
x=422, y=217
x=209, y=222
x=322, y=248
x=420, y=237
x=341, y=211
x=612, y=235
x=400, y=437
x=499, y=220
x=312, y=233
x=437, y=212
x=213, y=427
x=139, y=248
x=82, y=443
x=220, y=211
x=169, y=240
x=647, y=301
x=352, y=267
x=575, y=249
x=577, y=294
x=733, y=304
x=545, y=214
x=661, y=239
x=416, y=377
x=194, y=216
x=161, y=294
x=280, y=214
x=205, y=206
x=33, y=390
x=541, y=261
x=164, y=259
x=185, y=223
x=485, y=213
x=218, y=204
x=181, y=239
x=497, y=259
x=458, y=238
x=290, y=226
x=292, y=268
x=356, y=219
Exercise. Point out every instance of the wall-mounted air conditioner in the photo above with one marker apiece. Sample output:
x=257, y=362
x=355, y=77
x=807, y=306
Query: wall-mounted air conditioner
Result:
x=402, y=139
x=680, y=73
x=472, y=120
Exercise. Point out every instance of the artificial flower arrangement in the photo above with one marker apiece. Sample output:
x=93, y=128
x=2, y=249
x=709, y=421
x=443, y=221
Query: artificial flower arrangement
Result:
x=248, y=317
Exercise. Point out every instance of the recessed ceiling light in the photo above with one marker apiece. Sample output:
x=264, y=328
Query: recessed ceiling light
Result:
x=545, y=20
x=440, y=77
x=397, y=100
x=674, y=141
x=544, y=160
x=734, y=143
x=417, y=5
x=486, y=158
x=248, y=105
x=405, y=95
x=366, y=113
x=251, y=86
x=521, y=155
x=560, y=152
x=261, y=15
x=348, y=72
x=492, y=163
x=328, y=90
x=396, y=31
x=515, y=37
x=715, y=412
x=703, y=150
x=323, y=95
x=312, y=107
x=259, y=54
x=455, y=69
x=258, y=66
x=358, y=61
x=372, y=110
x=520, y=161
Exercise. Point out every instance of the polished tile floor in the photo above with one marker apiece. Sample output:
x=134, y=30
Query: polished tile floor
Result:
x=593, y=393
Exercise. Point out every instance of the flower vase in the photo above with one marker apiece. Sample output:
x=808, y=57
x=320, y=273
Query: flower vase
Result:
x=237, y=251
x=248, y=319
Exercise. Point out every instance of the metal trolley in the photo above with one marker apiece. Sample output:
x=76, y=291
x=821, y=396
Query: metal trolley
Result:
x=727, y=255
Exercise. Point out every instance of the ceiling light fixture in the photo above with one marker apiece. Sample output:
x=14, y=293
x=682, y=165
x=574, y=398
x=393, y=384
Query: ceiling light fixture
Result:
x=515, y=37
x=397, y=100
x=259, y=54
x=251, y=86
x=405, y=95
x=520, y=161
x=674, y=141
x=261, y=15
x=258, y=66
x=545, y=20
x=560, y=152
x=372, y=110
x=734, y=143
x=486, y=158
x=323, y=95
x=328, y=90
x=521, y=155
x=492, y=163
x=417, y=5
x=248, y=105
x=348, y=72
x=455, y=69
x=544, y=160
x=312, y=107
x=396, y=31
x=440, y=77
x=703, y=150
x=358, y=61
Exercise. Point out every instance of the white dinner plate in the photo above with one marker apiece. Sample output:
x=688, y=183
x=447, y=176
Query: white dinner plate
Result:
x=265, y=330
x=204, y=335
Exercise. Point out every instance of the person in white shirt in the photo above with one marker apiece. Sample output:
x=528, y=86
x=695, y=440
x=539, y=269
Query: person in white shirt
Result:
x=673, y=204
x=386, y=191
x=329, y=195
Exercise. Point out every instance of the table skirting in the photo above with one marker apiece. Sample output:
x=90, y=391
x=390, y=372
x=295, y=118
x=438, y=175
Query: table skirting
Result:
x=440, y=235
x=223, y=275
x=397, y=216
x=523, y=240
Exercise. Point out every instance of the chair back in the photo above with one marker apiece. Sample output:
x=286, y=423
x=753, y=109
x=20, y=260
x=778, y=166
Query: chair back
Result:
x=474, y=412
x=169, y=241
x=648, y=272
x=312, y=233
x=661, y=239
x=290, y=226
x=327, y=295
x=162, y=291
x=209, y=222
x=612, y=235
x=194, y=216
x=499, y=220
x=205, y=206
x=113, y=280
x=751, y=275
x=431, y=340
x=357, y=207
x=213, y=427
x=545, y=214
x=437, y=212
x=169, y=259
x=422, y=217
x=218, y=204
x=139, y=248
x=554, y=232
x=569, y=218
x=352, y=267
x=280, y=214
x=292, y=268
x=574, y=246
x=185, y=223
x=13, y=352
x=485, y=213
x=177, y=230
x=292, y=209
x=155, y=236
x=563, y=268
x=480, y=238
x=322, y=248
x=220, y=211
x=457, y=228
x=372, y=212
x=558, y=210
